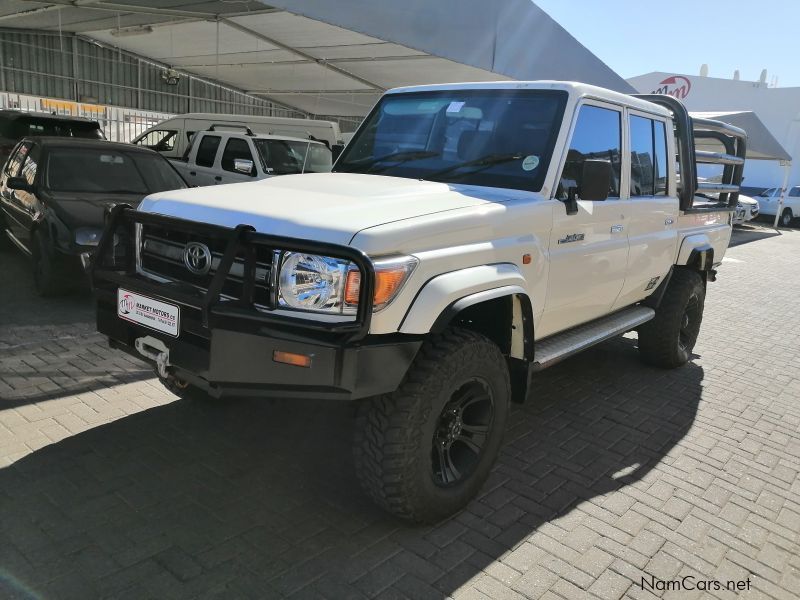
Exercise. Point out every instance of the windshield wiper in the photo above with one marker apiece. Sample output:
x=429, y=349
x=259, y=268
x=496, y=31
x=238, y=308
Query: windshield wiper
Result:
x=397, y=157
x=482, y=162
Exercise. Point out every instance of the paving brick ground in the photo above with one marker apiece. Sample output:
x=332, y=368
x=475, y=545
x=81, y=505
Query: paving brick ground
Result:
x=614, y=471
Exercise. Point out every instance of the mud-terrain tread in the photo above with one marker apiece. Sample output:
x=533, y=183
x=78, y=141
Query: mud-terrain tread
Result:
x=389, y=427
x=658, y=338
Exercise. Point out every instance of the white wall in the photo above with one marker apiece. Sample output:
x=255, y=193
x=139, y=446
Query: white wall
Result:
x=778, y=109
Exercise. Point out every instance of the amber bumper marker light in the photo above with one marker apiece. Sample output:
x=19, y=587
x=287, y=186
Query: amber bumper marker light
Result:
x=291, y=358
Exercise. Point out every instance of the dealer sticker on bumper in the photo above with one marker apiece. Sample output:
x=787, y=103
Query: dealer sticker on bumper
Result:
x=148, y=312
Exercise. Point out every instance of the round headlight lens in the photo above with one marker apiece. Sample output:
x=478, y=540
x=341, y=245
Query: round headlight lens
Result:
x=311, y=282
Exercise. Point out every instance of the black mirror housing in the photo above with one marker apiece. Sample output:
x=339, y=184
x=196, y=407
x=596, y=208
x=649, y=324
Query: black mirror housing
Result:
x=596, y=179
x=19, y=183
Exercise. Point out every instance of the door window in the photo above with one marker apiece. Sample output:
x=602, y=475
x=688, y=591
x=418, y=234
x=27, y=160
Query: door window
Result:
x=30, y=165
x=15, y=162
x=597, y=136
x=795, y=192
x=648, y=157
x=207, y=151
x=237, y=148
x=161, y=140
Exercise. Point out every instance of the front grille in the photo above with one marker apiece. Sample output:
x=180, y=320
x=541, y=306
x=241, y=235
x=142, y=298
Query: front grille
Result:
x=161, y=254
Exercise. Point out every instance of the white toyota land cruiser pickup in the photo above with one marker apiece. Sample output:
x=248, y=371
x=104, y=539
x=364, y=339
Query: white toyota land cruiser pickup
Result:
x=469, y=236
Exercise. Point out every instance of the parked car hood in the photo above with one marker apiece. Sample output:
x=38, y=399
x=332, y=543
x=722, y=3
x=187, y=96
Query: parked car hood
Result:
x=87, y=209
x=329, y=207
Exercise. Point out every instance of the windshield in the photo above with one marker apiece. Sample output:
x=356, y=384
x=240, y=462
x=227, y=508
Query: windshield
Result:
x=285, y=157
x=498, y=138
x=101, y=170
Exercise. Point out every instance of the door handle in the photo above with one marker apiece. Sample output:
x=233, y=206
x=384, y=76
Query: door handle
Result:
x=192, y=172
x=218, y=178
x=669, y=221
x=617, y=228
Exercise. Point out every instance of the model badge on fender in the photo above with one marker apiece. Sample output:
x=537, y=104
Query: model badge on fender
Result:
x=572, y=237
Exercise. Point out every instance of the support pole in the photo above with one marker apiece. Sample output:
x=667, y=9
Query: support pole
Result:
x=787, y=167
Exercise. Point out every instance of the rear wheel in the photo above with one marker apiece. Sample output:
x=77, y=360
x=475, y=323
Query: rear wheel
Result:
x=787, y=217
x=668, y=339
x=48, y=272
x=424, y=451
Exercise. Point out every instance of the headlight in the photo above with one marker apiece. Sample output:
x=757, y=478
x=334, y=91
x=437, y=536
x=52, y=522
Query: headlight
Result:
x=88, y=236
x=331, y=285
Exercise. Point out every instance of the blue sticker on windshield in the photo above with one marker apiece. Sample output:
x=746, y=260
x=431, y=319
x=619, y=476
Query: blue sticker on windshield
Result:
x=530, y=163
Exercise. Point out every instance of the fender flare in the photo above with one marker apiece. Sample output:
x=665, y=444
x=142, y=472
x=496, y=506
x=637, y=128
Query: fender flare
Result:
x=696, y=251
x=467, y=286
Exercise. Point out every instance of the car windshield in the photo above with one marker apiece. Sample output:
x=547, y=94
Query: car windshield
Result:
x=102, y=170
x=286, y=157
x=497, y=138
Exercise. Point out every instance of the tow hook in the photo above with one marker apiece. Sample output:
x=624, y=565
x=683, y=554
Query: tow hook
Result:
x=155, y=350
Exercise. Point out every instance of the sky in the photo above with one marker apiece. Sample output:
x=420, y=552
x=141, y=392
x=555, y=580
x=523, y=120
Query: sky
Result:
x=637, y=37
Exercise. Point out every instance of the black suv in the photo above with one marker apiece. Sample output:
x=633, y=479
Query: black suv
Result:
x=54, y=192
x=16, y=124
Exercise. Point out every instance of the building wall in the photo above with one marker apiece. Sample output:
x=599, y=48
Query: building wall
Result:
x=778, y=109
x=47, y=64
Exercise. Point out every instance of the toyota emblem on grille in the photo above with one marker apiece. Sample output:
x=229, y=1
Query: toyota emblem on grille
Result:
x=197, y=258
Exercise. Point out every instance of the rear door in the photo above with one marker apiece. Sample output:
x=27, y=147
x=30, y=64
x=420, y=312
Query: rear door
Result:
x=588, y=250
x=654, y=206
x=203, y=163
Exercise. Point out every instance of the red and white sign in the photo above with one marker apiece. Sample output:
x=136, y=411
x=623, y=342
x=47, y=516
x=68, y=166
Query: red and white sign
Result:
x=675, y=85
x=149, y=312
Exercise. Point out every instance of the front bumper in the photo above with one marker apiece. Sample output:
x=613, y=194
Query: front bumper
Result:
x=227, y=347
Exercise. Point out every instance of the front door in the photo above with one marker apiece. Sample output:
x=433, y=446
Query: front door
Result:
x=588, y=250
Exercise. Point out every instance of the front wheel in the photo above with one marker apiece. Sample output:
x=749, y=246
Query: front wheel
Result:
x=668, y=339
x=786, y=217
x=424, y=451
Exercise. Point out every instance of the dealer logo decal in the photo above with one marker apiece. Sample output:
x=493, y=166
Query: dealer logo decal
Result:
x=676, y=86
x=127, y=304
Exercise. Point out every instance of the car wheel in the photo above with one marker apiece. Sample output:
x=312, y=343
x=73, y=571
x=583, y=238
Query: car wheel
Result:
x=47, y=272
x=424, y=451
x=668, y=339
x=787, y=217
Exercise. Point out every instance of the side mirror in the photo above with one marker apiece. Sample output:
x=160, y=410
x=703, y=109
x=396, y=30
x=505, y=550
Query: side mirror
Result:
x=19, y=183
x=596, y=179
x=243, y=165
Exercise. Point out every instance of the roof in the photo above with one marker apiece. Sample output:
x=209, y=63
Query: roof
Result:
x=575, y=88
x=761, y=144
x=76, y=142
x=329, y=58
x=18, y=114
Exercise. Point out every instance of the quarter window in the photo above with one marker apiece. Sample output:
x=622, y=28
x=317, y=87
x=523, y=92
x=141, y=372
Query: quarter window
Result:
x=207, y=151
x=795, y=192
x=597, y=136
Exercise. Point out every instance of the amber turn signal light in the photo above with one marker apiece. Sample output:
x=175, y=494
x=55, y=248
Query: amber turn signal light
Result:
x=290, y=358
x=386, y=284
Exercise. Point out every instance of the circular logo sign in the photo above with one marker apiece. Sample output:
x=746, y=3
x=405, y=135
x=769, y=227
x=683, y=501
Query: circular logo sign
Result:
x=126, y=304
x=197, y=258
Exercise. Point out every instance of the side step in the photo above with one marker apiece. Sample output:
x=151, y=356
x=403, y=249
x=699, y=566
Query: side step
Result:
x=557, y=347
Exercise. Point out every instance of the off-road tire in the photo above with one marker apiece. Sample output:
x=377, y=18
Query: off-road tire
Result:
x=668, y=339
x=395, y=433
x=787, y=217
x=48, y=271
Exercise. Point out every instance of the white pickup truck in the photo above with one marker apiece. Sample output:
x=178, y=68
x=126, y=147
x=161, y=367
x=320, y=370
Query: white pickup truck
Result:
x=469, y=236
x=218, y=157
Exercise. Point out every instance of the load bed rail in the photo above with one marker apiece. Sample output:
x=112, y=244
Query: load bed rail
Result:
x=689, y=131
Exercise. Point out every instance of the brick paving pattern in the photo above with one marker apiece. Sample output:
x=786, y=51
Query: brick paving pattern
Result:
x=613, y=471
